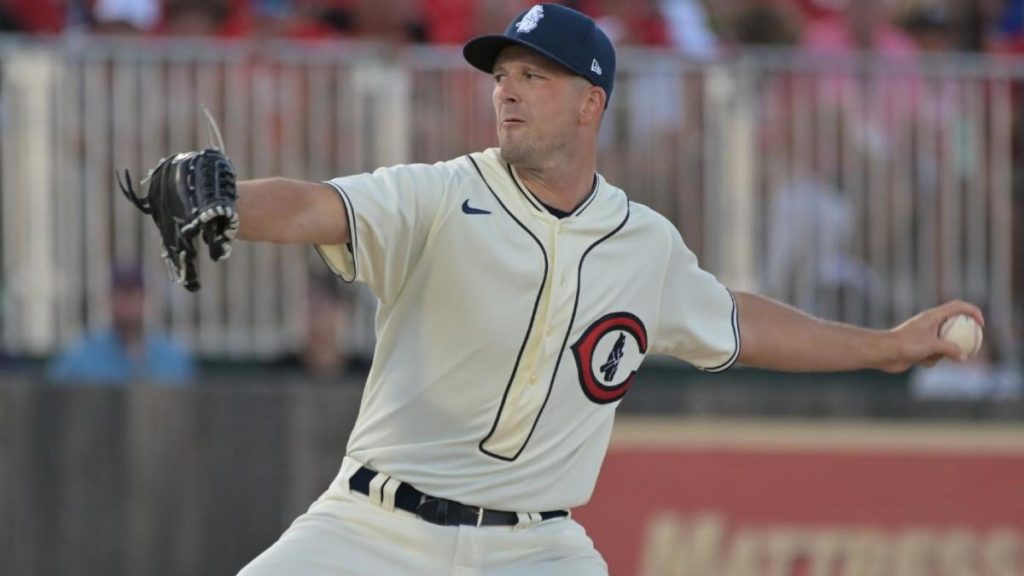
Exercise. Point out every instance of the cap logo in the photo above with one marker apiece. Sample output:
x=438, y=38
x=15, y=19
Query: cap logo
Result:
x=530, y=20
x=595, y=67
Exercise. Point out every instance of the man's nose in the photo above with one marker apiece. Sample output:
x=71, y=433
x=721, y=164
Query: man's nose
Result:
x=506, y=92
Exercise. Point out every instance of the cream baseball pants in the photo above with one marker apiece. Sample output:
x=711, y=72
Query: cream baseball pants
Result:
x=344, y=534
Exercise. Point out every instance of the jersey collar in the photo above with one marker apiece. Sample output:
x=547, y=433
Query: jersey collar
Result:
x=604, y=209
x=535, y=202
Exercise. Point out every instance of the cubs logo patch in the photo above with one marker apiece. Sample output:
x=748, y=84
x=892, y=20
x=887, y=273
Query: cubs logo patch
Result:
x=608, y=355
x=530, y=19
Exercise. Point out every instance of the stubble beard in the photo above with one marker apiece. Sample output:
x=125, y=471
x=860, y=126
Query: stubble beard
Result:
x=518, y=153
x=531, y=152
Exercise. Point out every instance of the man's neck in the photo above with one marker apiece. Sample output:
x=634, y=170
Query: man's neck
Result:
x=563, y=185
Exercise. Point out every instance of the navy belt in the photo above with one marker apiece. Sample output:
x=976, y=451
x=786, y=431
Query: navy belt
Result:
x=440, y=510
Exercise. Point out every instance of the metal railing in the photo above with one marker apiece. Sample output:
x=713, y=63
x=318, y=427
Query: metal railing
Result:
x=860, y=191
x=884, y=188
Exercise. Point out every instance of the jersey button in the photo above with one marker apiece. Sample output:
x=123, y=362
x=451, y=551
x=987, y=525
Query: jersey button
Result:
x=533, y=378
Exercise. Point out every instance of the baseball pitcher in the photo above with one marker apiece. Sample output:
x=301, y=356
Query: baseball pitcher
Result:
x=519, y=292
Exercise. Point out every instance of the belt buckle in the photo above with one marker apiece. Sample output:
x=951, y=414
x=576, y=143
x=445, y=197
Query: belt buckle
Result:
x=450, y=513
x=434, y=510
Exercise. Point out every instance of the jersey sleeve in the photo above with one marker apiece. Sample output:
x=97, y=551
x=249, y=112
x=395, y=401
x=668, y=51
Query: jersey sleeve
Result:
x=698, y=320
x=390, y=213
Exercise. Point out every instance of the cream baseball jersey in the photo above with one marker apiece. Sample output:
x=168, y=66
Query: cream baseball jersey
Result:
x=506, y=336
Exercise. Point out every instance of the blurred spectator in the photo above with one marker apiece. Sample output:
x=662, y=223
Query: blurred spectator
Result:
x=490, y=15
x=40, y=16
x=990, y=375
x=8, y=22
x=993, y=25
x=393, y=21
x=863, y=26
x=879, y=95
x=931, y=28
x=455, y=21
x=812, y=10
x=765, y=24
x=195, y=17
x=809, y=259
x=323, y=358
x=687, y=27
x=293, y=19
x=650, y=109
x=125, y=16
x=631, y=22
x=124, y=353
x=976, y=379
x=1009, y=14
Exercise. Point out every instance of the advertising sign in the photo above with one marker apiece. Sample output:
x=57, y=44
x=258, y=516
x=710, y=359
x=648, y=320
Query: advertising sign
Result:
x=795, y=499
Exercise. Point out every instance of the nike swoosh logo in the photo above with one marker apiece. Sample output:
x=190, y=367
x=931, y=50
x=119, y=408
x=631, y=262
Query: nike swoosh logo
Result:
x=470, y=210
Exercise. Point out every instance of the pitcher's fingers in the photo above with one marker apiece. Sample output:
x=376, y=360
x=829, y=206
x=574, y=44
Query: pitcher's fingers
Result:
x=954, y=307
x=952, y=351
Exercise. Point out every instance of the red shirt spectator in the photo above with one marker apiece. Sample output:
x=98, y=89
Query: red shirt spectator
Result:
x=896, y=92
x=40, y=16
x=834, y=37
x=818, y=9
x=449, y=21
x=633, y=22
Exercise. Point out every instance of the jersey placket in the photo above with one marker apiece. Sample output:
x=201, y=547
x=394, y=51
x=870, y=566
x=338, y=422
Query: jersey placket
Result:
x=532, y=382
x=558, y=292
x=562, y=292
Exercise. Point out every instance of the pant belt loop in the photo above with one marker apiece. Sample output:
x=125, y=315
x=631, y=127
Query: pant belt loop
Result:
x=524, y=520
x=376, y=494
x=388, y=491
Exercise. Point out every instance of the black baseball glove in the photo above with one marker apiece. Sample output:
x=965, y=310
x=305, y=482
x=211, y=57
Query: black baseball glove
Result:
x=187, y=195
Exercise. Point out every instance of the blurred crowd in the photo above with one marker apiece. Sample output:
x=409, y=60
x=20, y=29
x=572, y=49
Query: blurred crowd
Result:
x=811, y=203
x=697, y=27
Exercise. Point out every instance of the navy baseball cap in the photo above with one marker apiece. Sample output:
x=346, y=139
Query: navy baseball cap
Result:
x=562, y=34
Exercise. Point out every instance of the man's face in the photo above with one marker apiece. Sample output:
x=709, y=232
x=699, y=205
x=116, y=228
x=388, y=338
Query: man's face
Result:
x=537, y=105
x=129, y=309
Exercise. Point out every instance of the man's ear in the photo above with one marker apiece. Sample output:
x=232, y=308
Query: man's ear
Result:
x=593, y=105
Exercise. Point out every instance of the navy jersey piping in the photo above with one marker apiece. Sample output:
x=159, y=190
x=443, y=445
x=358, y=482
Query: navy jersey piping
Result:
x=353, y=237
x=572, y=320
x=590, y=199
x=735, y=338
x=529, y=329
x=536, y=203
x=528, y=195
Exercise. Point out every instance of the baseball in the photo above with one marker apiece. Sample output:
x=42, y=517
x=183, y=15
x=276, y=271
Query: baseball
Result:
x=963, y=331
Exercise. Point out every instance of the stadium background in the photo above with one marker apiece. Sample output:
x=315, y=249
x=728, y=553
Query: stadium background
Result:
x=858, y=185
